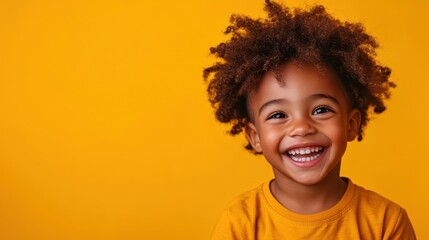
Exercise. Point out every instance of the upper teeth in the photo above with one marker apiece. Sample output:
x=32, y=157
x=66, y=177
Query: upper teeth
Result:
x=305, y=150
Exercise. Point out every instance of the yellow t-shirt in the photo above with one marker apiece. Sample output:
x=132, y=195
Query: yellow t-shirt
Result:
x=360, y=214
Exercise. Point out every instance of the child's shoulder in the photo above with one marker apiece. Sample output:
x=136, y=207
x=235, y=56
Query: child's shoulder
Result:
x=248, y=201
x=372, y=202
x=375, y=210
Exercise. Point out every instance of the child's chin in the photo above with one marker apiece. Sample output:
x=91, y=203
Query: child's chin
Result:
x=308, y=181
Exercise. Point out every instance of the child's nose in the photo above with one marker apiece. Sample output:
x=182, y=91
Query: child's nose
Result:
x=301, y=126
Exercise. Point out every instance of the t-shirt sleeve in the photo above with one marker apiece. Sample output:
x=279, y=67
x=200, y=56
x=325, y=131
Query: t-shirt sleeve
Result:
x=224, y=229
x=403, y=228
x=233, y=225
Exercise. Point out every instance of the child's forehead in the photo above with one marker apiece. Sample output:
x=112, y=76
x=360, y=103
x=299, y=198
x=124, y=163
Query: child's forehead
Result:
x=300, y=71
x=297, y=80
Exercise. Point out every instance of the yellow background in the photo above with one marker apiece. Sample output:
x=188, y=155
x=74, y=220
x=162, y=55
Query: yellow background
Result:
x=106, y=133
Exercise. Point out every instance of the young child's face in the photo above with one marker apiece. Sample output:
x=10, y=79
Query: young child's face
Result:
x=302, y=124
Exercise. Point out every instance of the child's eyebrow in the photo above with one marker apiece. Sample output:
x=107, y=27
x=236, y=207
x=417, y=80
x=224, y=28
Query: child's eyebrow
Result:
x=323, y=95
x=280, y=100
x=271, y=102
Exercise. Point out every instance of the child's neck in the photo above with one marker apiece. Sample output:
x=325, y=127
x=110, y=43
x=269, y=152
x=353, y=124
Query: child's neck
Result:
x=309, y=199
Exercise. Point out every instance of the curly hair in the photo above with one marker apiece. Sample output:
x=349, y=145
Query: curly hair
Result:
x=313, y=37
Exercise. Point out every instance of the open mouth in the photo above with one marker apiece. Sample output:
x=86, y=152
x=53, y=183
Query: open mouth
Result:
x=305, y=154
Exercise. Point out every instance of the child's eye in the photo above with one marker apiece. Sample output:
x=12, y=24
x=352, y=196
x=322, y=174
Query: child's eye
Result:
x=321, y=110
x=277, y=115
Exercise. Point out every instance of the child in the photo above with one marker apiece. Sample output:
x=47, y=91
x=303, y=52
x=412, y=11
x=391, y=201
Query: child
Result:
x=301, y=84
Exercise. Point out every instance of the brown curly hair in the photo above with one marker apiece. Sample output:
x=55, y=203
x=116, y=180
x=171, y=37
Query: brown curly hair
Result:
x=314, y=37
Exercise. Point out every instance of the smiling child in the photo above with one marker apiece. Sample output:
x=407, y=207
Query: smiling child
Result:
x=301, y=84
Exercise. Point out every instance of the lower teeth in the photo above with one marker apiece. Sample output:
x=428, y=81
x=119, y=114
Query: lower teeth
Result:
x=305, y=159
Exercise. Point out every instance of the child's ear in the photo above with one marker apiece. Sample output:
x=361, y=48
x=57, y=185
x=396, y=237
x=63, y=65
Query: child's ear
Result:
x=253, y=137
x=353, y=124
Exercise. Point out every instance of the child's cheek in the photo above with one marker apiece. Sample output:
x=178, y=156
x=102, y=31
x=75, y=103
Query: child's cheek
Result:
x=271, y=137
